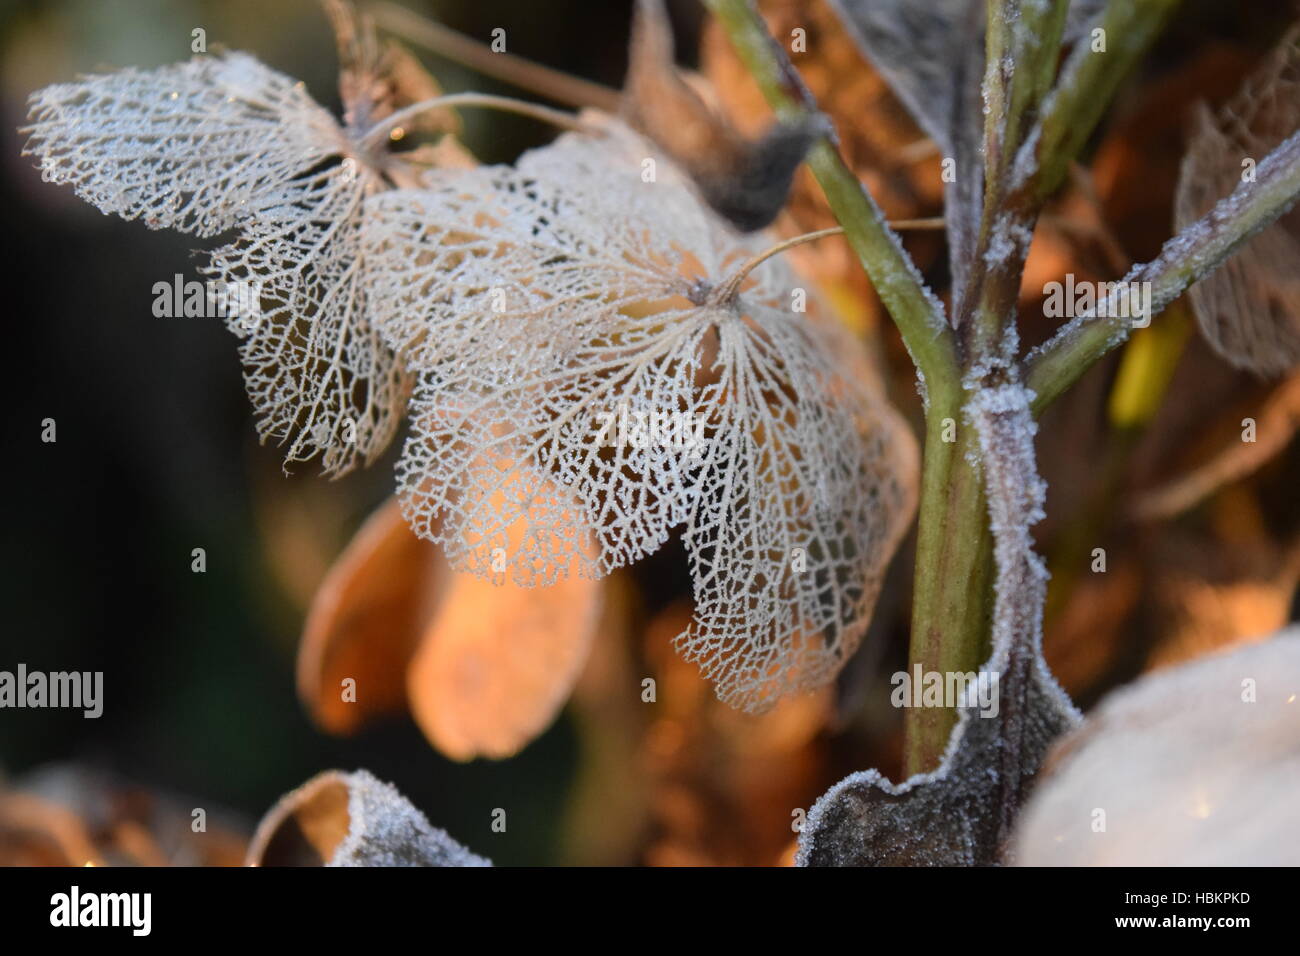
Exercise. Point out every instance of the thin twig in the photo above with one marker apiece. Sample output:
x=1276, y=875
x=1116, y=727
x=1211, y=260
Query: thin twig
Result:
x=507, y=67
x=1277, y=425
x=485, y=100
x=915, y=311
x=729, y=288
x=1191, y=255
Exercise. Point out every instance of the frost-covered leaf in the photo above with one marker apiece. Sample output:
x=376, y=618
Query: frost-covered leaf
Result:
x=577, y=328
x=961, y=812
x=316, y=370
x=921, y=49
x=352, y=819
x=1198, y=765
x=925, y=51
x=197, y=146
x=1248, y=310
x=224, y=143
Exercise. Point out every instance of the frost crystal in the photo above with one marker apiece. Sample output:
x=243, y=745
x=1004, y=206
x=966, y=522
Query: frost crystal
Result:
x=225, y=143
x=545, y=306
x=385, y=830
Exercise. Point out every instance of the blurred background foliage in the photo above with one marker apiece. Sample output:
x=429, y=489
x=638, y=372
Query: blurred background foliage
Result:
x=156, y=455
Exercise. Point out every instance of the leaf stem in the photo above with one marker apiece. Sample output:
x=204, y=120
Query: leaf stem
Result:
x=915, y=311
x=485, y=100
x=953, y=557
x=1089, y=81
x=729, y=288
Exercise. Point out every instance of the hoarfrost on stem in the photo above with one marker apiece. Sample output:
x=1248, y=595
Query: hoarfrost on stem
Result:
x=962, y=812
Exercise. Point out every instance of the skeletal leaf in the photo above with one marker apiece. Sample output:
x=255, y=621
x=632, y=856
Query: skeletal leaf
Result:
x=961, y=813
x=1197, y=765
x=352, y=819
x=1248, y=310
x=745, y=182
x=586, y=298
x=224, y=143
x=198, y=146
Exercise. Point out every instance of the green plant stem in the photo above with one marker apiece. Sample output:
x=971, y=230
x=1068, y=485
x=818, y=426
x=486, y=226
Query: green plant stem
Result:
x=1022, y=44
x=952, y=590
x=1191, y=255
x=951, y=597
x=917, y=314
x=1088, y=83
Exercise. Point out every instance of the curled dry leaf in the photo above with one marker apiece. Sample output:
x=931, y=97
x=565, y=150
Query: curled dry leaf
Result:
x=746, y=182
x=584, y=369
x=497, y=661
x=352, y=819
x=1249, y=309
x=225, y=143
x=366, y=622
x=1196, y=765
x=484, y=669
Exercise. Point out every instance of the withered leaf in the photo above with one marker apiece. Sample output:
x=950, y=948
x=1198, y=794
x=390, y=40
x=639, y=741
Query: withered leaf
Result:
x=747, y=182
x=932, y=54
x=484, y=667
x=599, y=291
x=352, y=819
x=497, y=661
x=961, y=813
x=366, y=621
x=1249, y=309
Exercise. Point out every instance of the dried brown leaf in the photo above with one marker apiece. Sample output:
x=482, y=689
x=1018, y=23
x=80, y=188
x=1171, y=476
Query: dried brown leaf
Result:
x=366, y=621
x=747, y=182
x=498, y=661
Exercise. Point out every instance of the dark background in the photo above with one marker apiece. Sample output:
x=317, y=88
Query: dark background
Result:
x=156, y=454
